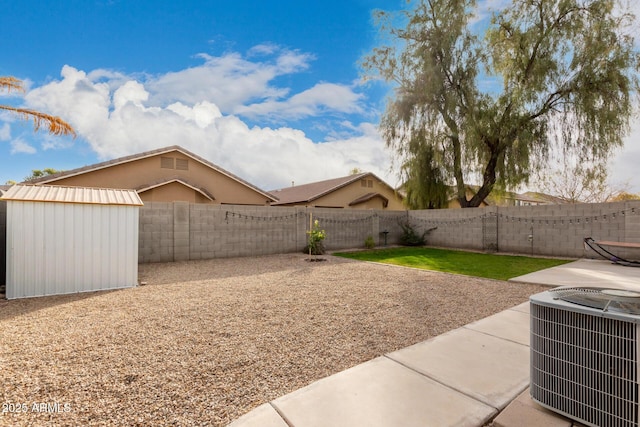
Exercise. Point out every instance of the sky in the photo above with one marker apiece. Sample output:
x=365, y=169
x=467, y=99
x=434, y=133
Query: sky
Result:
x=270, y=91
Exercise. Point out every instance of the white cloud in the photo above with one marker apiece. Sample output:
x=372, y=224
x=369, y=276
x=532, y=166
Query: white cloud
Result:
x=18, y=145
x=118, y=115
x=75, y=98
x=263, y=49
x=228, y=81
x=132, y=92
x=485, y=9
x=52, y=142
x=321, y=97
x=624, y=167
x=5, y=132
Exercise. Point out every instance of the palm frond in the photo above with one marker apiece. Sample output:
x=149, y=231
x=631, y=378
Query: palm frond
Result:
x=11, y=83
x=55, y=125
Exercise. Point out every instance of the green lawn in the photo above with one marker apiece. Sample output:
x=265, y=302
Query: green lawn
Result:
x=501, y=267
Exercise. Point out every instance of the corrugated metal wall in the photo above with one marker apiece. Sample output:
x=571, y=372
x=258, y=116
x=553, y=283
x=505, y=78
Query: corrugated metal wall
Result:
x=3, y=242
x=60, y=248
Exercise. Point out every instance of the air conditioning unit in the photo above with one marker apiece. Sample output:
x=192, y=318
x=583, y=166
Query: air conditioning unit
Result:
x=584, y=354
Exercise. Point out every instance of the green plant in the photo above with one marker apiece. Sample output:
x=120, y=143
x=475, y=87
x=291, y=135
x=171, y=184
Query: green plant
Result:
x=314, y=241
x=410, y=237
x=369, y=243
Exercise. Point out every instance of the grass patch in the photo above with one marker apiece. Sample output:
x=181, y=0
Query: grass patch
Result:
x=501, y=267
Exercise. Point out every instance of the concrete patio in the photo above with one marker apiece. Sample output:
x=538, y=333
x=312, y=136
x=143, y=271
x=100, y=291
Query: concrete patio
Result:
x=471, y=376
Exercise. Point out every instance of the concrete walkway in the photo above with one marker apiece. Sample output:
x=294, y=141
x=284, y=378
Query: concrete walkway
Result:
x=462, y=378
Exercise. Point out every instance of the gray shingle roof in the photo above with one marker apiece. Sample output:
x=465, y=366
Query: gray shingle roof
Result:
x=309, y=192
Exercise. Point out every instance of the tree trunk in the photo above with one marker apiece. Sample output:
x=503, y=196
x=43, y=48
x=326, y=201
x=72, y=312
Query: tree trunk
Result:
x=488, y=180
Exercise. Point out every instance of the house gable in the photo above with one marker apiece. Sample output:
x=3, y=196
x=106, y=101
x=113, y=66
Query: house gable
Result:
x=371, y=201
x=174, y=189
x=354, y=191
x=175, y=165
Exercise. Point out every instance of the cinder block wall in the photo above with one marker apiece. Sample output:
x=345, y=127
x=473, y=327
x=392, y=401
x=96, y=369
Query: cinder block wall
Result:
x=632, y=228
x=3, y=242
x=560, y=230
x=349, y=228
x=456, y=228
x=552, y=230
x=229, y=231
x=182, y=231
x=156, y=237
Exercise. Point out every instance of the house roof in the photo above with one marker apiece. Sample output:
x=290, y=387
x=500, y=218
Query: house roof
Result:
x=314, y=190
x=131, y=158
x=4, y=188
x=368, y=197
x=81, y=195
x=541, y=197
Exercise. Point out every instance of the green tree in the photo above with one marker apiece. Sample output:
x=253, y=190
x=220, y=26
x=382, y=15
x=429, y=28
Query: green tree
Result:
x=425, y=185
x=39, y=173
x=55, y=125
x=561, y=76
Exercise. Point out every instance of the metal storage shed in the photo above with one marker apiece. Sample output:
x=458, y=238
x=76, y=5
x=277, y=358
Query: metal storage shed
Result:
x=63, y=240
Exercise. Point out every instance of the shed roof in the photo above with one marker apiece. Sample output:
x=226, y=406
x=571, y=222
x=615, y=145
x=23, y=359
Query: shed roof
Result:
x=80, y=195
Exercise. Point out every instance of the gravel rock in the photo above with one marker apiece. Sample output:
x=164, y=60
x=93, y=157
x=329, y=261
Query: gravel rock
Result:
x=207, y=341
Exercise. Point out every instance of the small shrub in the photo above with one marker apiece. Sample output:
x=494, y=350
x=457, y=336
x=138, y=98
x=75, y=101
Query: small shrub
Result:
x=369, y=243
x=314, y=242
x=410, y=237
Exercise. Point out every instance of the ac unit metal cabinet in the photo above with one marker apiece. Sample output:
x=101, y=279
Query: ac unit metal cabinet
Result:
x=584, y=354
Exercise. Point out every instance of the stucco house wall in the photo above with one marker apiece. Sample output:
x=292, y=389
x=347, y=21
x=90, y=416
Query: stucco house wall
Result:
x=362, y=191
x=165, y=175
x=343, y=196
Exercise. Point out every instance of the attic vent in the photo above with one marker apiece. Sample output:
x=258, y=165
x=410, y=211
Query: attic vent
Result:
x=182, y=164
x=166, y=162
x=363, y=183
x=370, y=183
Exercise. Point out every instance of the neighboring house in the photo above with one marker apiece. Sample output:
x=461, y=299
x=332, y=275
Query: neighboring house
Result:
x=455, y=204
x=500, y=199
x=359, y=191
x=511, y=199
x=165, y=175
x=531, y=198
x=525, y=199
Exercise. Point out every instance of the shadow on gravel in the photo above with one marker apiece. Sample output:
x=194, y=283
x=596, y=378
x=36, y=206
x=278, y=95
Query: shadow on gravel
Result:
x=222, y=268
x=18, y=307
x=179, y=272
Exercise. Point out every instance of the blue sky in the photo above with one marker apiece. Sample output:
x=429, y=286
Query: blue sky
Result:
x=270, y=91
x=282, y=73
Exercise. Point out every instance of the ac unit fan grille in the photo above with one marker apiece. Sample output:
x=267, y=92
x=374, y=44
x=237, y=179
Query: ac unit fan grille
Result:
x=601, y=299
x=584, y=366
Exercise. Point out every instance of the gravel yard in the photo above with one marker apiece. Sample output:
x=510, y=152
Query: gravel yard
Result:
x=207, y=341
